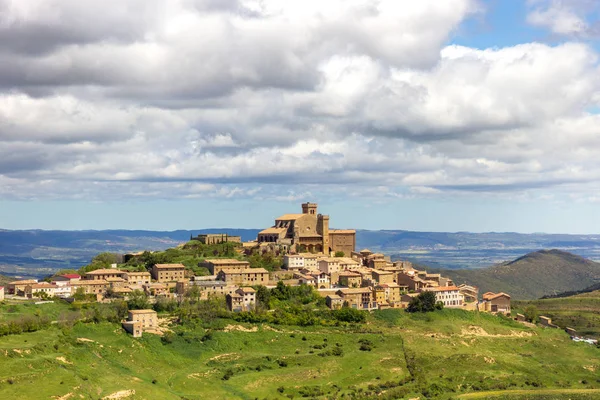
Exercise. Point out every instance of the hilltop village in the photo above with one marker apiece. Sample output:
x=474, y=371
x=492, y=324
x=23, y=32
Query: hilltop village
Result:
x=312, y=254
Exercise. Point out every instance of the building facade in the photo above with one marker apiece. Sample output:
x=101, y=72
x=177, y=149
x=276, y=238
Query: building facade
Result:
x=308, y=231
x=168, y=272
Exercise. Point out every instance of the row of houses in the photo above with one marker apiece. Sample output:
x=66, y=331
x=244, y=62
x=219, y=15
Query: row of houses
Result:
x=364, y=281
x=101, y=281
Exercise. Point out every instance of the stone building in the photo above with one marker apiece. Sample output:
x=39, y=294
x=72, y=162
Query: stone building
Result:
x=217, y=238
x=90, y=286
x=18, y=287
x=249, y=276
x=216, y=265
x=308, y=231
x=138, y=278
x=104, y=273
x=243, y=299
x=495, y=303
x=139, y=321
x=168, y=272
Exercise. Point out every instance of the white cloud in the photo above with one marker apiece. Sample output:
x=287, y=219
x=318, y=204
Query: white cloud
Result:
x=564, y=17
x=282, y=99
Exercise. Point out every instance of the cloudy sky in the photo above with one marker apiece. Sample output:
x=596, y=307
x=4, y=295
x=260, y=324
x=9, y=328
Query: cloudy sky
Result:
x=394, y=114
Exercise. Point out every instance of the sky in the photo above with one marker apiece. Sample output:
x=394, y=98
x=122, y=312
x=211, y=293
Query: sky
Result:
x=454, y=115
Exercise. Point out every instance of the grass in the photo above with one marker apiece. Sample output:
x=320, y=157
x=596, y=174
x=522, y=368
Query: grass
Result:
x=438, y=355
x=11, y=310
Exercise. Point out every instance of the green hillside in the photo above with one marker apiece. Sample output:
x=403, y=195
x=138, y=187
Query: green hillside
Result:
x=4, y=280
x=534, y=275
x=394, y=355
x=580, y=312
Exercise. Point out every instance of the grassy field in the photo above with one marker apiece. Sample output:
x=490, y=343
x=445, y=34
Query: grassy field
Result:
x=11, y=310
x=438, y=355
x=580, y=312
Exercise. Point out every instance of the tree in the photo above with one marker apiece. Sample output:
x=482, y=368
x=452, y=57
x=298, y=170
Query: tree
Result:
x=339, y=254
x=263, y=297
x=138, y=300
x=193, y=293
x=424, y=302
x=80, y=294
x=531, y=313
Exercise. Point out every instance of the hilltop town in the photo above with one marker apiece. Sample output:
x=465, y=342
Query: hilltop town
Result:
x=299, y=312
x=311, y=254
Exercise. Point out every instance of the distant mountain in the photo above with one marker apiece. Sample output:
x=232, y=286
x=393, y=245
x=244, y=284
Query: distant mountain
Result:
x=471, y=250
x=534, y=275
x=39, y=253
x=594, y=288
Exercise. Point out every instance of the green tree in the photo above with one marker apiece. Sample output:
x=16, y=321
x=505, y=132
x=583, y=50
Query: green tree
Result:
x=339, y=254
x=138, y=300
x=424, y=302
x=263, y=297
x=531, y=313
x=80, y=294
x=193, y=293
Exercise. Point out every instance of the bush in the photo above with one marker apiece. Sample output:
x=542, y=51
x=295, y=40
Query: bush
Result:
x=228, y=374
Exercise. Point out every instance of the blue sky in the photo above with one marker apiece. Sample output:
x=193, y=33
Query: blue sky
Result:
x=460, y=115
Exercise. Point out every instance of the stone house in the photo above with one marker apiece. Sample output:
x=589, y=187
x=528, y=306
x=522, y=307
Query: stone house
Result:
x=139, y=321
x=246, y=277
x=36, y=289
x=359, y=298
x=104, y=273
x=18, y=287
x=350, y=279
x=413, y=282
x=156, y=289
x=330, y=265
x=495, y=303
x=383, y=277
x=334, y=302
x=168, y=272
x=392, y=293
x=305, y=279
x=470, y=292
x=138, y=278
x=217, y=238
x=217, y=265
x=243, y=299
x=92, y=286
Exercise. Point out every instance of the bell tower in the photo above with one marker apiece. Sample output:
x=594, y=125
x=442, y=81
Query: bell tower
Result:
x=309, y=208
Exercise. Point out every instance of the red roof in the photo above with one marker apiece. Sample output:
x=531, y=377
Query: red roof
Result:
x=71, y=276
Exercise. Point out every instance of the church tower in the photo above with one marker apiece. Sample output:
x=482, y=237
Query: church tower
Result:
x=309, y=208
x=323, y=230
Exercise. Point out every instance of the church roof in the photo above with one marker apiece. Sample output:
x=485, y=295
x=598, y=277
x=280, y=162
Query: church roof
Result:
x=290, y=217
x=273, y=230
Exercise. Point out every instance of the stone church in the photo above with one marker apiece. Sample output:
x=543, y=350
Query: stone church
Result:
x=309, y=232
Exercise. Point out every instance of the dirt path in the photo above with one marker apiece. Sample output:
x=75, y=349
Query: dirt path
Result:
x=485, y=395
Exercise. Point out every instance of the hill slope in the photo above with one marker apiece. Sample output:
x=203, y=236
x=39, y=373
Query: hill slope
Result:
x=439, y=355
x=534, y=275
x=581, y=312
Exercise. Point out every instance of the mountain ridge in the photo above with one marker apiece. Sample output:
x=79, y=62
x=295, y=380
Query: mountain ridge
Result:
x=534, y=275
